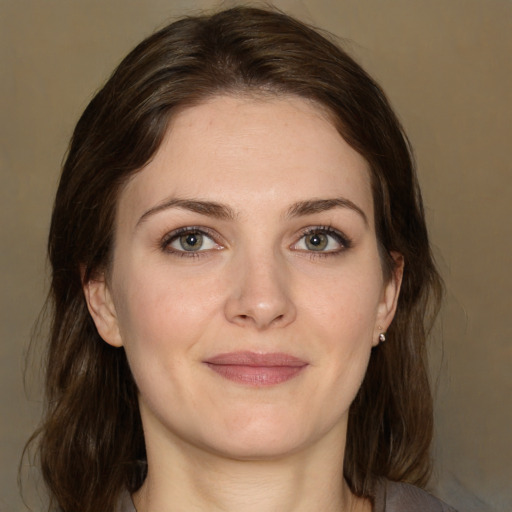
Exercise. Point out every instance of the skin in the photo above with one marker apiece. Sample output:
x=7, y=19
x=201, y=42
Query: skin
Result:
x=258, y=284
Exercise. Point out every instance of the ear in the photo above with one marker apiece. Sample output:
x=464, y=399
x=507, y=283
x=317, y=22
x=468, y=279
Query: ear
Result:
x=387, y=306
x=102, y=309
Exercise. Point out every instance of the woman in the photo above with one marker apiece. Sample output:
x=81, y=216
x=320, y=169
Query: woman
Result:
x=242, y=283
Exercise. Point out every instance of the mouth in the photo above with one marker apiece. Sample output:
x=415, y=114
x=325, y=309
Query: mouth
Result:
x=257, y=370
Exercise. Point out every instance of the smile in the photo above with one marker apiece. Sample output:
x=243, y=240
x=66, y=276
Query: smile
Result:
x=256, y=370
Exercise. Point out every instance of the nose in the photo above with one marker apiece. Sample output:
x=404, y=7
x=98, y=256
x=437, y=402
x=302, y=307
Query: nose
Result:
x=260, y=294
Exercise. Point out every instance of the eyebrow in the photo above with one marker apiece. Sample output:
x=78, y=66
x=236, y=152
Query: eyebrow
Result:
x=224, y=212
x=210, y=208
x=309, y=207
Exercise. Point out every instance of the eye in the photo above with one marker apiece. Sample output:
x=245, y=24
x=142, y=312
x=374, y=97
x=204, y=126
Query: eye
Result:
x=322, y=240
x=189, y=240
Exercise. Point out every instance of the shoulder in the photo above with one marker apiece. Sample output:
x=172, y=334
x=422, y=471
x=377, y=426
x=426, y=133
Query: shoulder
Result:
x=401, y=497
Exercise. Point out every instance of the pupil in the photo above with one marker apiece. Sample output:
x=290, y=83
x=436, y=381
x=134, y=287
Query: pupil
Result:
x=315, y=240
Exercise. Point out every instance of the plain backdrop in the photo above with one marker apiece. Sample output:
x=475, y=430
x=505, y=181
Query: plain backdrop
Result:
x=446, y=67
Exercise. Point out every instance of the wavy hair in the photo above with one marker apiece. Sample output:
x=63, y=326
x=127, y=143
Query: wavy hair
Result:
x=90, y=442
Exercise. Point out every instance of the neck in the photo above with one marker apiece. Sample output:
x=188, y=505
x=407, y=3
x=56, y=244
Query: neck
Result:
x=189, y=479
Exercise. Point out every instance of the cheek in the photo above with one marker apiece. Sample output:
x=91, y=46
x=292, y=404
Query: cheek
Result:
x=347, y=301
x=161, y=320
x=157, y=306
x=342, y=319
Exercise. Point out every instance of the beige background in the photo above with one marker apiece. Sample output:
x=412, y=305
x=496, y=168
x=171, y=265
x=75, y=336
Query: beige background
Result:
x=447, y=68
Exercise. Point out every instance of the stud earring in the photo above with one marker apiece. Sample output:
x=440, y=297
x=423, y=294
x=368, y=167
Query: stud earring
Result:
x=382, y=337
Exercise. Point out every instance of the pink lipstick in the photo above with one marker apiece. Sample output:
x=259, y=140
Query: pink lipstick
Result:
x=255, y=369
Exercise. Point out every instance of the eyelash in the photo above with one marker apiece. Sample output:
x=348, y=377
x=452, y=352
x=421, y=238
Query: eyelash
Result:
x=338, y=236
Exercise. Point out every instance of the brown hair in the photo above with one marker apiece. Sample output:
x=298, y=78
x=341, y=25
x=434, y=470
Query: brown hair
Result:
x=91, y=442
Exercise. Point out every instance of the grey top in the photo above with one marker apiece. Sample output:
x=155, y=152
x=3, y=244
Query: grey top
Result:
x=389, y=497
x=400, y=497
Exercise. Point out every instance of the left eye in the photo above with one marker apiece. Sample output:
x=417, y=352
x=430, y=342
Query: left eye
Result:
x=321, y=241
x=190, y=241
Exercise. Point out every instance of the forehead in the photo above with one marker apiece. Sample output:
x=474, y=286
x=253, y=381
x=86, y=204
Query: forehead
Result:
x=251, y=152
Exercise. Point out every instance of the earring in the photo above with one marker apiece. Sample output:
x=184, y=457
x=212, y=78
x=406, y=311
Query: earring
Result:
x=382, y=337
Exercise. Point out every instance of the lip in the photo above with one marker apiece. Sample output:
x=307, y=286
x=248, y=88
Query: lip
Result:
x=254, y=369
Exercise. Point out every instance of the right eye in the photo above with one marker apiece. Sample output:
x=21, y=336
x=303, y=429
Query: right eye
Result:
x=189, y=242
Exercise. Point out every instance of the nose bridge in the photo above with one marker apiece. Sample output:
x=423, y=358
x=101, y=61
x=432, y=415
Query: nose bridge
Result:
x=260, y=295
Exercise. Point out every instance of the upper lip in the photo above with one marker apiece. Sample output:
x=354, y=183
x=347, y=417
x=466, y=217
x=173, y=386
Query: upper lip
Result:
x=246, y=358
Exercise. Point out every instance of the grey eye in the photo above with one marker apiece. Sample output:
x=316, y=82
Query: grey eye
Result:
x=320, y=241
x=193, y=241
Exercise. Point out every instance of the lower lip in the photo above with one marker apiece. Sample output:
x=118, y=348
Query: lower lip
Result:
x=257, y=376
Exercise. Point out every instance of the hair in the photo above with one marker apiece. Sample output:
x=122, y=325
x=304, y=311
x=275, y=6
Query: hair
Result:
x=90, y=442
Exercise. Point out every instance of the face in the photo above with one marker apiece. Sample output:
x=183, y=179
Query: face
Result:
x=246, y=284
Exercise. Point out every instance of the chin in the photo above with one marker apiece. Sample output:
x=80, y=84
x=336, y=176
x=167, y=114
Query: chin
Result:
x=262, y=447
x=263, y=438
